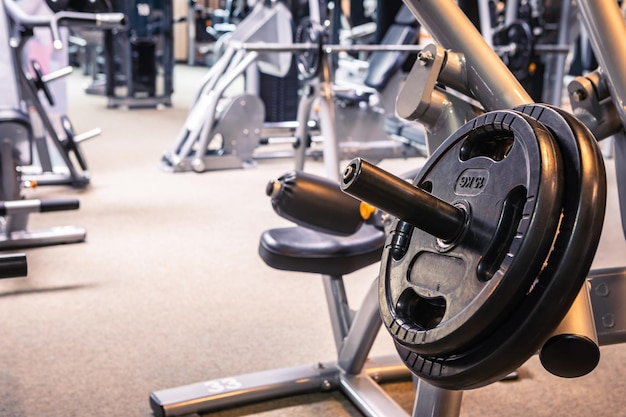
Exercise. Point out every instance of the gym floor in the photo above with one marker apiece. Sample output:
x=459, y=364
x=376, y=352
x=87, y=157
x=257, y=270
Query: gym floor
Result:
x=169, y=290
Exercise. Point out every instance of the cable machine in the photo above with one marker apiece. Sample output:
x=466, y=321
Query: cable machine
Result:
x=139, y=57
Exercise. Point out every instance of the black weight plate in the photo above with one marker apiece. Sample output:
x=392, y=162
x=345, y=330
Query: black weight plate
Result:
x=504, y=170
x=585, y=203
x=520, y=34
x=523, y=333
x=40, y=84
x=70, y=145
x=308, y=62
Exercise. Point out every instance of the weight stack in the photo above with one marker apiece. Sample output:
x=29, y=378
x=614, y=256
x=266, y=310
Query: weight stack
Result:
x=144, y=72
x=280, y=95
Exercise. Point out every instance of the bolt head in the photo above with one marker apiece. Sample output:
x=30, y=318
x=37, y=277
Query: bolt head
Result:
x=425, y=57
x=579, y=95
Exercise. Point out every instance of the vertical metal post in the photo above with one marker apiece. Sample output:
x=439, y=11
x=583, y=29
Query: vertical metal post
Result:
x=485, y=21
x=338, y=307
x=364, y=328
x=191, y=32
x=553, y=79
x=510, y=12
x=309, y=93
x=431, y=401
x=327, y=121
x=607, y=30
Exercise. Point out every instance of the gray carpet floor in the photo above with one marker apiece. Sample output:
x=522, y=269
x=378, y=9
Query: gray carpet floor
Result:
x=169, y=290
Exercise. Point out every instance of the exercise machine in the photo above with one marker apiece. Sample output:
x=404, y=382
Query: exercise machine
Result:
x=487, y=254
x=21, y=115
x=215, y=136
x=139, y=57
x=208, y=27
x=58, y=157
x=332, y=255
x=14, y=209
x=212, y=139
x=361, y=112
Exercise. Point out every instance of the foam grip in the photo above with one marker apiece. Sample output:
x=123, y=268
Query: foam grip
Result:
x=13, y=266
x=8, y=208
x=59, y=205
x=315, y=202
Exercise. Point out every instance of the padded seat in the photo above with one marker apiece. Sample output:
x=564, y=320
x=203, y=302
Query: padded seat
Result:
x=305, y=250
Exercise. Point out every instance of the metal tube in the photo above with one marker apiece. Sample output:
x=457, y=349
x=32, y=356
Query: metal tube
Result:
x=555, y=92
x=328, y=48
x=327, y=122
x=572, y=350
x=309, y=94
x=510, y=12
x=234, y=70
x=484, y=15
x=607, y=29
x=488, y=78
x=436, y=402
x=357, y=345
x=57, y=74
x=403, y=200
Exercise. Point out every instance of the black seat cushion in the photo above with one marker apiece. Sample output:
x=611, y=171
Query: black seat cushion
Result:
x=306, y=250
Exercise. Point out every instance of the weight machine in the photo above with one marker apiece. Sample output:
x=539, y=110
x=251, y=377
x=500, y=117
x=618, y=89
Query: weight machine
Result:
x=58, y=154
x=139, y=56
x=217, y=136
x=532, y=38
x=26, y=129
x=534, y=252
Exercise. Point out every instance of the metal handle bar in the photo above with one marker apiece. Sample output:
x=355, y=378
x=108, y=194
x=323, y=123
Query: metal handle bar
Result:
x=328, y=48
x=8, y=208
x=101, y=20
x=397, y=197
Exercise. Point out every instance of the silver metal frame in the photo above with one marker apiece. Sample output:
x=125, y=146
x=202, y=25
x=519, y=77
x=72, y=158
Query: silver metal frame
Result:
x=263, y=40
x=55, y=166
x=479, y=74
x=353, y=373
x=14, y=232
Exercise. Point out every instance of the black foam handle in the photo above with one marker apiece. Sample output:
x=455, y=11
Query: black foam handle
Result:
x=37, y=206
x=13, y=266
x=315, y=202
x=59, y=205
x=397, y=197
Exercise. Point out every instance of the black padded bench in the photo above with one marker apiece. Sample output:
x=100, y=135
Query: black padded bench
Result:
x=305, y=250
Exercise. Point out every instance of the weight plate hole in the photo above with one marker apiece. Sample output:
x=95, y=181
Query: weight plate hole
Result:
x=510, y=216
x=493, y=145
x=426, y=313
x=427, y=186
